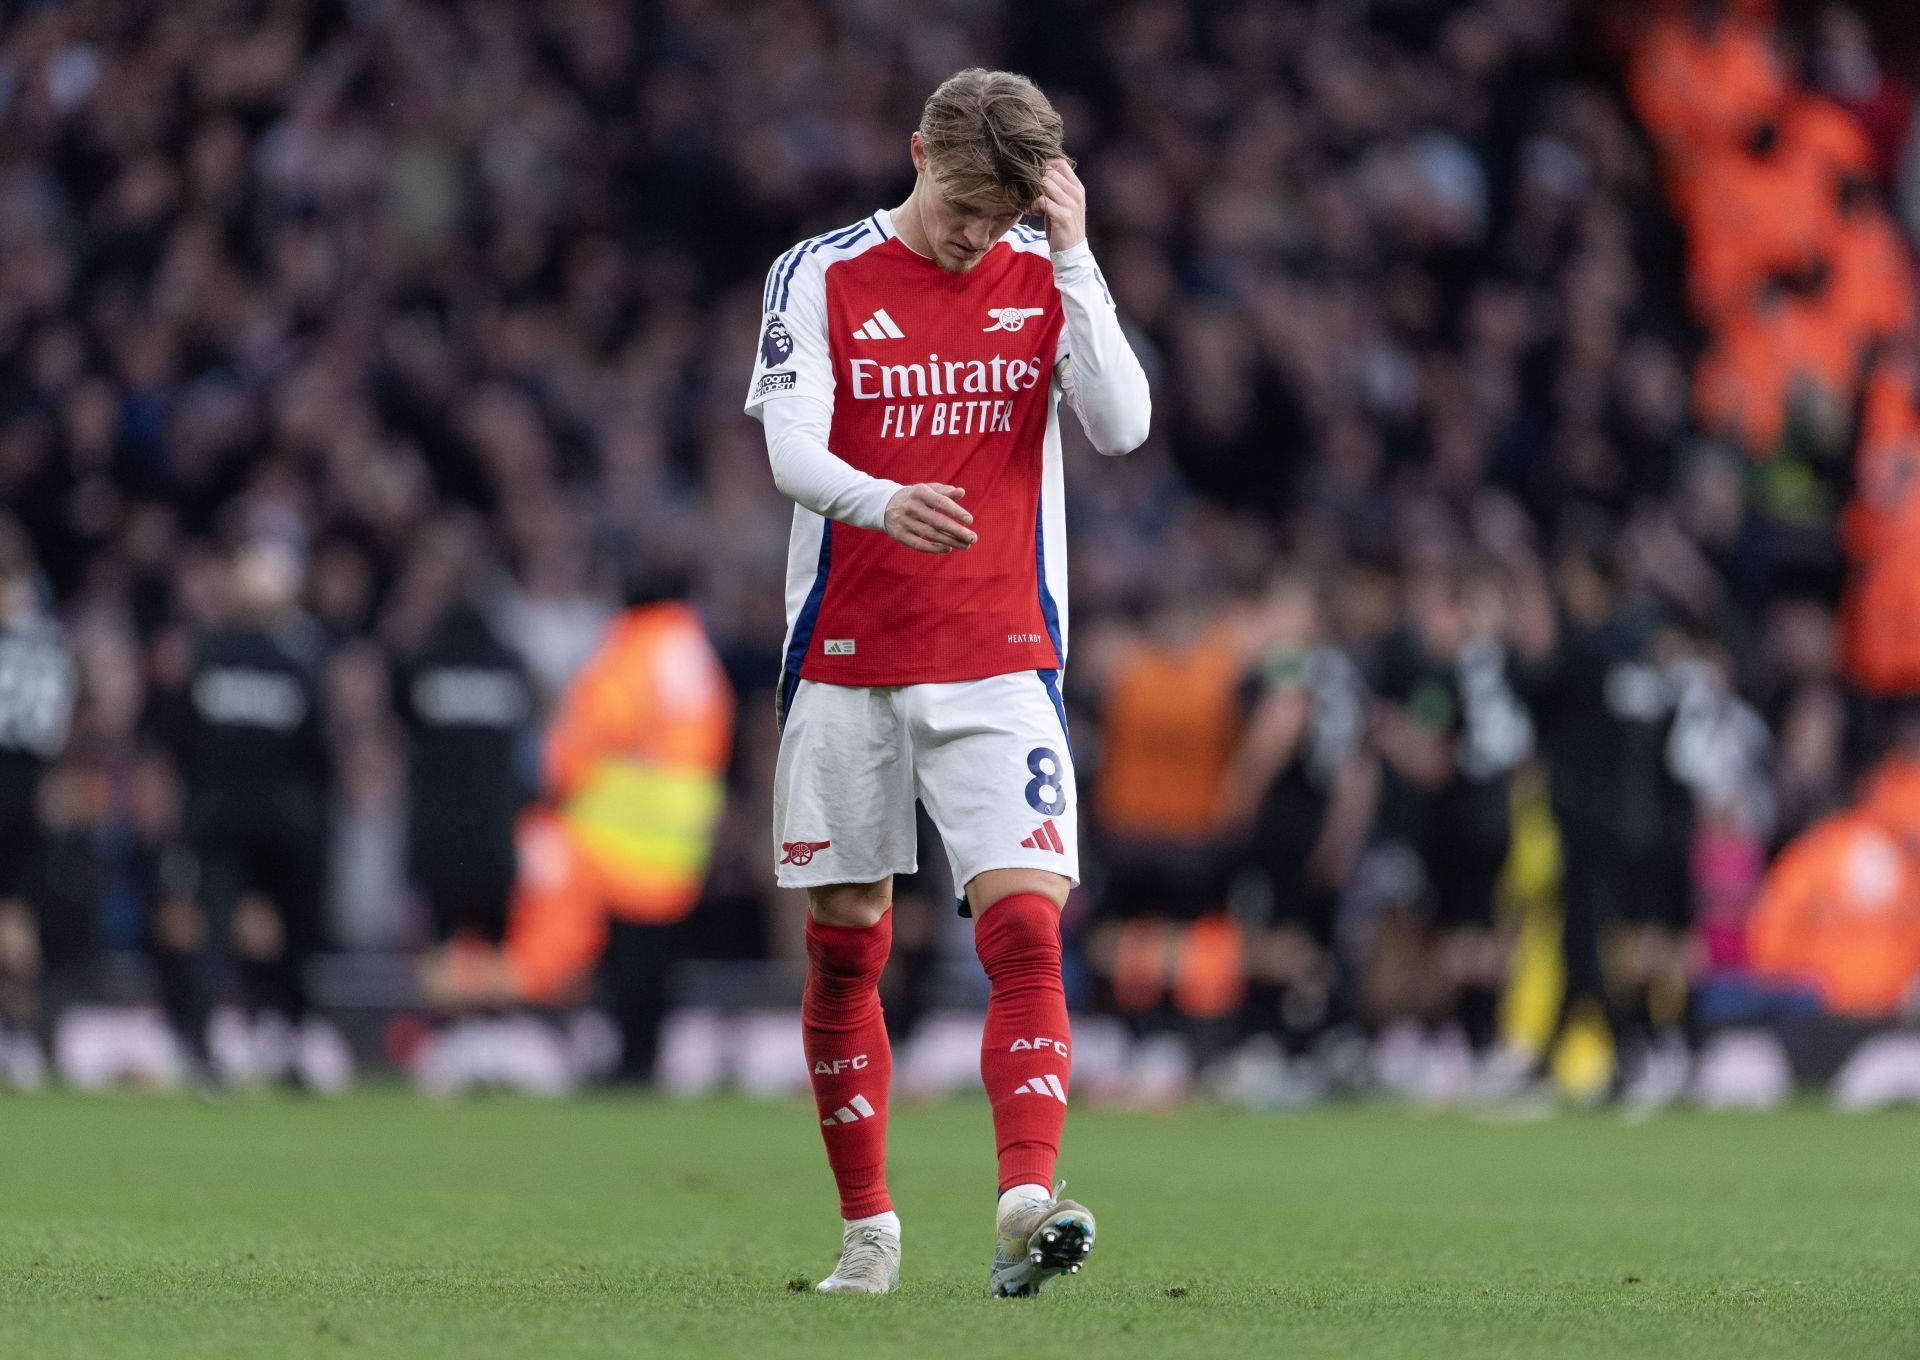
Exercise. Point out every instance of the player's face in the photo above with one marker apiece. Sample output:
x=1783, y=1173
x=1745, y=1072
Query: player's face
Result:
x=962, y=230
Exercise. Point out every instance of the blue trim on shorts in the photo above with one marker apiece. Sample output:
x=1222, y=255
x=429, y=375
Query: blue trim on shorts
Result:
x=1051, y=679
x=803, y=626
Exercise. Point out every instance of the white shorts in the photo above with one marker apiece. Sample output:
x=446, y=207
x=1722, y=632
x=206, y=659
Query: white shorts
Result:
x=989, y=758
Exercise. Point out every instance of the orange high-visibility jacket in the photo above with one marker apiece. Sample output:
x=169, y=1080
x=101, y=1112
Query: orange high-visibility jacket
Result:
x=636, y=760
x=1840, y=912
x=635, y=769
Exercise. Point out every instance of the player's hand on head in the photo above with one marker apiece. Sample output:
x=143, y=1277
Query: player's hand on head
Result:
x=1063, y=203
x=927, y=518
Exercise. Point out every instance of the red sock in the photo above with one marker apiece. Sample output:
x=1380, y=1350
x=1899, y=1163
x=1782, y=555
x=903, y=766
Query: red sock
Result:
x=1023, y=1054
x=846, y=1043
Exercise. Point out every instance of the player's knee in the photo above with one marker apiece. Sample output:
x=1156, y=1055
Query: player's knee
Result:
x=1022, y=926
x=845, y=956
x=993, y=886
x=859, y=905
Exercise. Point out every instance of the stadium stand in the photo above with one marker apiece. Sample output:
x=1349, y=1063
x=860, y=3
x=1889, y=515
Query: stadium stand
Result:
x=454, y=307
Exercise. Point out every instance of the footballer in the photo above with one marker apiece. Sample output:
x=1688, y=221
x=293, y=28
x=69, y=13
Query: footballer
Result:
x=910, y=372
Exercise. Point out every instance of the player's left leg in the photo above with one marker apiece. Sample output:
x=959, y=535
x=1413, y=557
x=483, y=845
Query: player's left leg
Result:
x=1025, y=1057
x=993, y=766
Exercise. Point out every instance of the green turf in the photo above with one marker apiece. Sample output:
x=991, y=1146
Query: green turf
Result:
x=383, y=1225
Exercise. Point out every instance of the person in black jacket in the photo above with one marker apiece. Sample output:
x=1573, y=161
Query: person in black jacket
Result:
x=466, y=700
x=249, y=735
x=1599, y=671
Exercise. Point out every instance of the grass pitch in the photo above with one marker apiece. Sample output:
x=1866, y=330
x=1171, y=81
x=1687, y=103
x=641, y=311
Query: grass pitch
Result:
x=383, y=1225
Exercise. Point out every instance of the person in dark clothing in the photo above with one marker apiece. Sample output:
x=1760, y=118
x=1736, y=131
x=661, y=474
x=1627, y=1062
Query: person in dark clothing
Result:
x=249, y=735
x=38, y=684
x=1599, y=673
x=1300, y=788
x=1451, y=733
x=1473, y=823
x=466, y=700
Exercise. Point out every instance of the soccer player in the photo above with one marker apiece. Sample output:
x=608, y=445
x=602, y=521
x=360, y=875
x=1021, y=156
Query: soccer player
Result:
x=909, y=374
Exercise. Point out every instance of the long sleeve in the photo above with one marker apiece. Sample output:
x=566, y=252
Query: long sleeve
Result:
x=791, y=393
x=810, y=473
x=1099, y=373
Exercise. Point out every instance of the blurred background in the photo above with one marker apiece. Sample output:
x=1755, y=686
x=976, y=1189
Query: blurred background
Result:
x=1491, y=678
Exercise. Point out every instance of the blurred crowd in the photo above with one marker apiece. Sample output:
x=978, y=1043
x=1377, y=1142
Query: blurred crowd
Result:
x=362, y=323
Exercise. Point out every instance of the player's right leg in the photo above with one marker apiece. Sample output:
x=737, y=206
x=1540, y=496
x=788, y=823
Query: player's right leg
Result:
x=849, y=932
x=843, y=826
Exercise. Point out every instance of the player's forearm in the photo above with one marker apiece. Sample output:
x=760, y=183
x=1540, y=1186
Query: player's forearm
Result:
x=1108, y=386
x=811, y=474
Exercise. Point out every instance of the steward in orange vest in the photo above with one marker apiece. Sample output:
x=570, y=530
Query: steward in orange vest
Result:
x=634, y=782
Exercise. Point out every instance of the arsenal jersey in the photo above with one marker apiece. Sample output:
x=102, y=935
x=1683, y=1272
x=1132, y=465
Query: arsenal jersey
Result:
x=932, y=377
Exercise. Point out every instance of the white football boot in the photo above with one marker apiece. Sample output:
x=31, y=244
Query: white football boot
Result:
x=869, y=1262
x=1039, y=1237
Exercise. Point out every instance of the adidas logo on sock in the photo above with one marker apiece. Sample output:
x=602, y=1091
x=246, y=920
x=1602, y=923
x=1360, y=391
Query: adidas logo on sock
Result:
x=1048, y=1085
x=879, y=326
x=1045, y=837
x=854, y=1111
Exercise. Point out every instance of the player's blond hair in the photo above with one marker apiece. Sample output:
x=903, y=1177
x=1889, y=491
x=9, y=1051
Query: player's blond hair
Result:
x=989, y=135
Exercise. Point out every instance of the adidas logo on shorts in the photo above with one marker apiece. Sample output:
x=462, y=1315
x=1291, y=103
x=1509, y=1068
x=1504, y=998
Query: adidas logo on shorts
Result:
x=1046, y=837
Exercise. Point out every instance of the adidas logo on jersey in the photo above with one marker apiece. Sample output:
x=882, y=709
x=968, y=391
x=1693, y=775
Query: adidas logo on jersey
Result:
x=1046, y=837
x=1048, y=1085
x=879, y=326
x=853, y=1112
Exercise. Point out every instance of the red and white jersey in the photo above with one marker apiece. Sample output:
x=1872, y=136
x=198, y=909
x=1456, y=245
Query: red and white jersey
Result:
x=932, y=377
